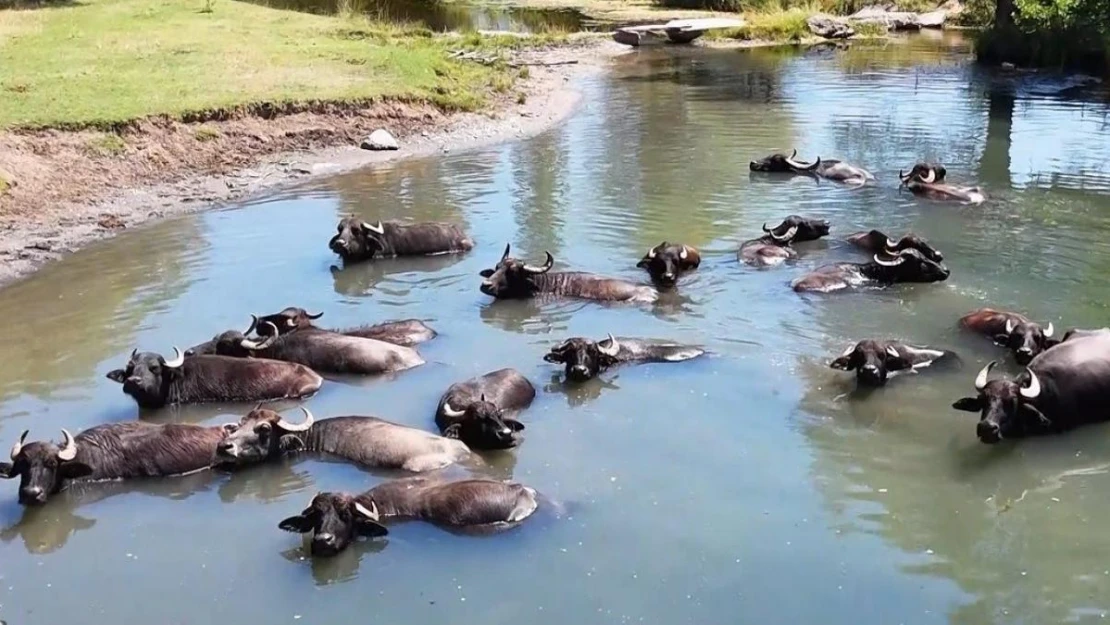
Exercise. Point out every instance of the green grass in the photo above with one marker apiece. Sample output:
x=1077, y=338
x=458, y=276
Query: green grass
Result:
x=103, y=62
x=784, y=25
x=206, y=133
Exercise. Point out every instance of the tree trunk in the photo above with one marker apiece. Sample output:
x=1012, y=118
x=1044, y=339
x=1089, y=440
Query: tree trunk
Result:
x=1004, y=14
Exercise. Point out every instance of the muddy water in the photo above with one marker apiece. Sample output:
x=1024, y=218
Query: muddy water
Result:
x=751, y=486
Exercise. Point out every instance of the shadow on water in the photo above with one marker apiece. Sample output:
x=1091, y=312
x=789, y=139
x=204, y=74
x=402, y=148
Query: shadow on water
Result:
x=580, y=393
x=447, y=16
x=359, y=279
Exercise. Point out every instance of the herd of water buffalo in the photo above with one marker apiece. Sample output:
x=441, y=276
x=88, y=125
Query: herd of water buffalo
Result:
x=282, y=356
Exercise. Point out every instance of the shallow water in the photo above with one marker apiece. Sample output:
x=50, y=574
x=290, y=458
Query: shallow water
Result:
x=751, y=486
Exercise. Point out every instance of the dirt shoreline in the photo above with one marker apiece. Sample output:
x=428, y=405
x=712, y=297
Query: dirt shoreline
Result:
x=67, y=195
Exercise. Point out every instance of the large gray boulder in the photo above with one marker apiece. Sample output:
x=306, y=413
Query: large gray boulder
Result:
x=829, y=27
x=380, y=139
x=892, y=20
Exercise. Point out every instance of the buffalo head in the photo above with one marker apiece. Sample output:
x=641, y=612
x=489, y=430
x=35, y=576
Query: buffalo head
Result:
x=148, y=376
x=356, y=239
x=1005, y=406
x=262, y=434
x=482, y=425
x=236, y=343
x=871, y=360
x=584, y=358
x=335, y=520
x=781, y=163
x=928, y=173
x=512, y=278
x=796, y=228
x=665, y=262
x=284, y=322
x=43, y=467
x=913, y=242
x=910, y=265
x=1026, y=339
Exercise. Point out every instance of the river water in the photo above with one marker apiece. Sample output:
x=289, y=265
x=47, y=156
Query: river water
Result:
x=754, y=485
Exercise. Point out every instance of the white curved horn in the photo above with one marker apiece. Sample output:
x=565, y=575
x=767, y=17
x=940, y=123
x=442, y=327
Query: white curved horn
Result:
x=651, y=253
x=69, y=448
x=178, y=359
x=892, y=352
x=1009, y=326
x=451, y=412
x=297, y=427
x=848, y=352
x=613, y=349
x=1049, y=331
x=889, y=263
x=981, y=379
x=891, y=245
x=685, y=253
x=371, y=514
x=929, y=177
x=379, y=229
x=18, y=447
x=268, y=341
x=1034, y=388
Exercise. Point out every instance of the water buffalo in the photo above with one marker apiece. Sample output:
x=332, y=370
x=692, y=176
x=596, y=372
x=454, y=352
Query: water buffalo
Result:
x=1011, y=330
x=324, y=351
x=666, y=262
x=925, y=180
x=406, y=332
x=110, y=452
x=474, y=411
x=584, y=359
x=875, y=241
x=774, y=246
x=1062, y=388
x=155, y=382
x=358, y=240
x=264, y=435
x=335, y=520
x=875, y=361
x=512, y=278
x=908, y=266
x=830, y=169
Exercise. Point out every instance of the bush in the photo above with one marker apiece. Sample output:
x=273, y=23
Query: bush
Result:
x=1071, y=34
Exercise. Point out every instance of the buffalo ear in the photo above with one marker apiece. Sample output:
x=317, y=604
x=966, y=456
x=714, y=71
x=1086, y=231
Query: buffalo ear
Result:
x=74, y=470
x=1002, y=340
x=553, y=357
x=1051, y=343
x=117, y=375
x=6, y=470
x=844, y=363
x=453, y=431
x=297, y=524
x=290, y=443
x=485, y=273
x=644, y=263
x=369, y=528
x=968, y=404
x=514, y=424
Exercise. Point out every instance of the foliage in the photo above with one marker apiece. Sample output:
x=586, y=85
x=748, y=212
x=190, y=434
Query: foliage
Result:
x=836, y=7
x=1052, y=33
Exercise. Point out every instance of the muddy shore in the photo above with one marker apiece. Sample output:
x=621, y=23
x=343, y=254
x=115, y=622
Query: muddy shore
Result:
x=65, y=195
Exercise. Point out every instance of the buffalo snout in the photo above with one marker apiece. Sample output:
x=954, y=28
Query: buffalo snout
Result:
x=871, y=374
x=988, y=432
x=32, y=495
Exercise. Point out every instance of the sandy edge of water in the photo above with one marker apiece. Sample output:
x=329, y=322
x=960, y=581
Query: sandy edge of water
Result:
x=293, y=148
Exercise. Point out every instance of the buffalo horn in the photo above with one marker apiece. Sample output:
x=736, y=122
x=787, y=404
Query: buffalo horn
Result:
x=506, y=254
x=891, y=245
x=685, y=253
x=69, y=450
x=904, y=177
x=371, y=514
x=178, y=359
x=1034, y=388
x=981, y=379
x=451, y=412
x=893, y=352
x=312, y=316
x=546, y=266
x=929, y=177
x=254, y=324
x=1009, y=326
x=889, y=263
x=134, y=353
x=613, y=349
x=651, y=253
x=378, y=229
x=785, y=238
x=848, y=352
x=802, y=166
x=297, y=427
x=16, y=448
x=1049, y=331
x=269, y=340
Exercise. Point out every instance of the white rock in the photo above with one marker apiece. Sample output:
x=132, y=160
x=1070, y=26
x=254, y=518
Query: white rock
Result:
x=380, y=139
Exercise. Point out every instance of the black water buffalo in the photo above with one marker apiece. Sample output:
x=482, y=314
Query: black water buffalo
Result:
x=774, y=246
x=474, y=411
x=358, y=240
x=908, y=266
x=406, y=332
x=512, y=278
x=1011, y=330
x=110, y=452
x=583, y=359
x=155, y=382
x=324, y=351
x=926, y=180
x=875, y=241
x=1062, y=388
x=830, y=169
x=335, y=520
x=264, y=435
x=666, y=262
x=875, y=361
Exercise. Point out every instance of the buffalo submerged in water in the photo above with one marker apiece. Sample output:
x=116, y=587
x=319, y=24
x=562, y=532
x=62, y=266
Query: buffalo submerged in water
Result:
x=829, y=169
x=666, y=262
x=584, y=359
x=475, y=411
x=875, y=241
x=775, y=246
x=874, y=361
x=357, y=240
x=927, y=180
x=1012, y=330
x=406, y=332
x=908, y=266
x=515, y=279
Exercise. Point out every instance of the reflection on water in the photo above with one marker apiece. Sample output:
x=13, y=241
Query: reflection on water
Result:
x=716, y=490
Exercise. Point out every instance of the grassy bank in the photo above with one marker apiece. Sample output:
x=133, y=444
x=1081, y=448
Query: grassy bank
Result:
x=101, y=62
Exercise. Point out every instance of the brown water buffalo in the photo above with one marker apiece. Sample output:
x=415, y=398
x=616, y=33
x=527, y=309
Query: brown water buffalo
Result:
x=908, y=266
x=358, y=240
x=875, y=361
x=774, y=246
x=111, y=452
x=875, y=241
x=335, y=520
x=322, y=350
x=512, y=278
x=830, y=169
x=155, y=382
x=925, y=180
x=1011, y=330
x=666, y=262
x=583, y=358
x=1062, y=388
x=369, y=441
x=406, y=332
x=474, y=411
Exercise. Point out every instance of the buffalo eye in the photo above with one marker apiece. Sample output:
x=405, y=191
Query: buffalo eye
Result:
x=263, y=428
